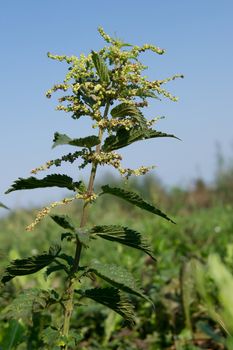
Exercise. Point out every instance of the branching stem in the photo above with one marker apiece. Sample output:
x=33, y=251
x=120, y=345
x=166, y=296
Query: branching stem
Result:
x=69, y=293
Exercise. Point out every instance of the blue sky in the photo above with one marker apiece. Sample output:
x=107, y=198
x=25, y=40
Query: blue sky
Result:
x=197, y=36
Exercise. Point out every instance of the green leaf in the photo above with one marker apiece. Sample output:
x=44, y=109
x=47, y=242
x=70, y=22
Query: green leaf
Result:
x=55, y=339
x=82, y=187
x=3, y=206
x=22, y=306
x=88, y=98
x=83, y=236
x=63, y=221
x=123, y=235
x=112, y=298
x=12, y=334
x=117, y=276
x=134, y=199
x=125, y=109
x=154, y=134
x=68, y=258
x=74, y=338
x=55, y=268
x=125, y=137
x=101, y=68
x=211, y=332
x=54, y=180
x=187, y=291
x=50, y=336
x=63, y=139
x=22, y=267
x=68, y=236
x=60, y=139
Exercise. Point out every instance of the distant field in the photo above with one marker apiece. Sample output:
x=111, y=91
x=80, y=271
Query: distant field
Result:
x=198, y=232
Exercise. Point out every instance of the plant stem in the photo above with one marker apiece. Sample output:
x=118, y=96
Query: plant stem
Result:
x=69, y=293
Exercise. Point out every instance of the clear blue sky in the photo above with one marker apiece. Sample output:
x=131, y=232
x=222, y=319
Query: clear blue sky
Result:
x=198, y=38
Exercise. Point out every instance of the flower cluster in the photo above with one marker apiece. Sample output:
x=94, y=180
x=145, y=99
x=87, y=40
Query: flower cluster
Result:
x=89, y=93
x=94, y=83
x=137, y=49
x=70, y=157
x=101, y=158
x=43, y=167
x=63, y=87
x=87, y=197
x=111, y=124
x=127, y=172
x=151, y=122
x=45, y=211
x=114, y=159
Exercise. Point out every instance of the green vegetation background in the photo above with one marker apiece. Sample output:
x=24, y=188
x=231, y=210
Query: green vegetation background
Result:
x=180, y=320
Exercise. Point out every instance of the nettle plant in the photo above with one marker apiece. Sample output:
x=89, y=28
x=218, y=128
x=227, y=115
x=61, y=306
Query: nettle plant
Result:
x=108, y=87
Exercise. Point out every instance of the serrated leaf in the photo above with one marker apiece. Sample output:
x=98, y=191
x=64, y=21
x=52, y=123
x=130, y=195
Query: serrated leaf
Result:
x=83, y=236
x=154, y=134
x=54, y=338
x=82, y=187
x=113, y=299
x=101, y=68
x=3, y=206
x=119, y=277
x=68, y=258
x=75, y=337
x=22, y=305
x=134, y=199
x=123, y=235
x=125, y=137
x=140, y=92
x=60, y=139
x=54, y=250
x=63, y=221
x=54, y=268
x=54, y=180
x=125, y=109
x=68, y=236
x=89, y=99
x=50, y=336
x=22, y=267
x=63, y=139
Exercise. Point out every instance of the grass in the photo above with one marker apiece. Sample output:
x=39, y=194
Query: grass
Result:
x=175, y=322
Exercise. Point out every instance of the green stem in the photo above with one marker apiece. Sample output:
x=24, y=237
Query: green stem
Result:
x=69, y=293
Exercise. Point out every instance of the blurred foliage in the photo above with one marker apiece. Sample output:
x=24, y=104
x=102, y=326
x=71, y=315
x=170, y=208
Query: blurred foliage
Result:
x=190, y=287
